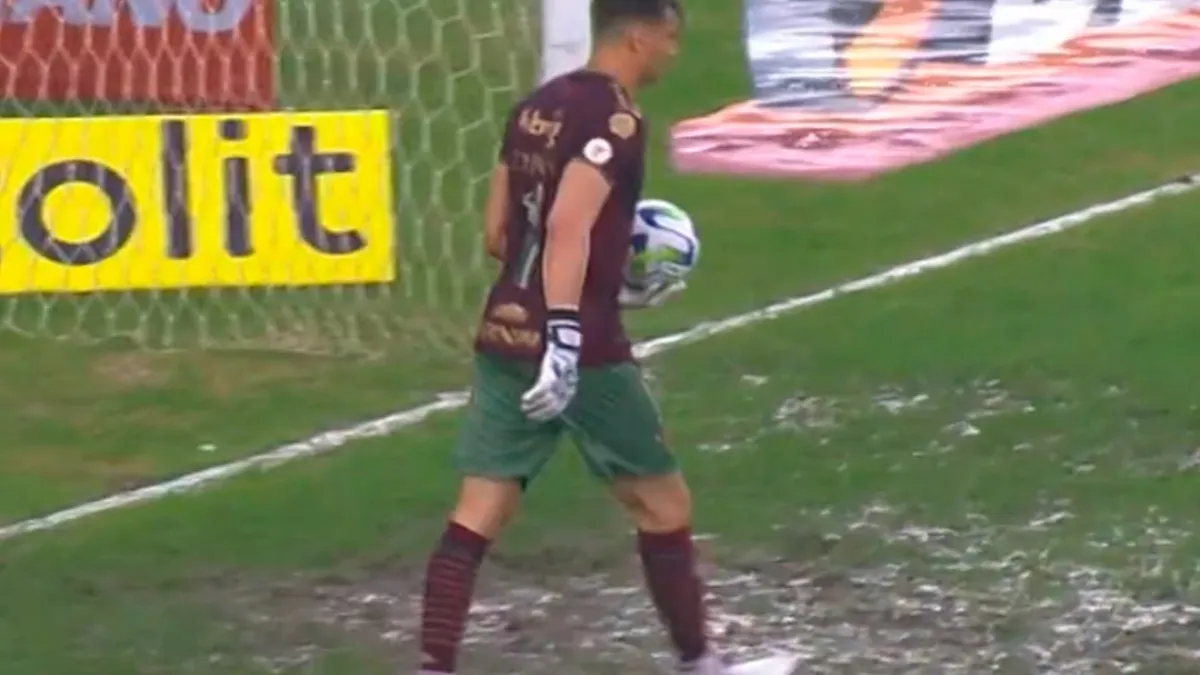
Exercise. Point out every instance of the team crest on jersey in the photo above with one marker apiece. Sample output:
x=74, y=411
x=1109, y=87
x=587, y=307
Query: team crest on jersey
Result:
x=622, y=125
x=510, y=313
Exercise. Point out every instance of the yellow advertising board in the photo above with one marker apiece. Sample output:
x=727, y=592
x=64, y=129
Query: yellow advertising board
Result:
x=156, y=202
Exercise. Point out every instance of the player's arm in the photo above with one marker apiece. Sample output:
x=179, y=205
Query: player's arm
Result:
x=609, y=143
x=597, y=158
x=495, y=212
x=582, y=191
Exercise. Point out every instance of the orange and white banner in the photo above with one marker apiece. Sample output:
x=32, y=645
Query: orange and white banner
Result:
x=193, y=53
x=846, y=89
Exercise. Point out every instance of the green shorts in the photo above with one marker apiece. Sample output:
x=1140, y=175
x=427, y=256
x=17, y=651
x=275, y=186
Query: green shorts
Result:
x=613, y=420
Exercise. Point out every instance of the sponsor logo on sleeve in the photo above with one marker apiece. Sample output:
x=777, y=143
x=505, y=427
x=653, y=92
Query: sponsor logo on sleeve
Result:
x=598, y=151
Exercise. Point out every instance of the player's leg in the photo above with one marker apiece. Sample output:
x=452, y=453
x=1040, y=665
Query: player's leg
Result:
x=498, y=452
x=617, y=425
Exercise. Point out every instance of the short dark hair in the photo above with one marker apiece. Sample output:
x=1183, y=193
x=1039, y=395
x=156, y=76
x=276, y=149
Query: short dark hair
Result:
x=608, y=15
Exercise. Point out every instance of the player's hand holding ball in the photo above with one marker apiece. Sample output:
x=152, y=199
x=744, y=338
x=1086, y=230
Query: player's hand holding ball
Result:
x=664, y=249
x=558, y=375
x=651, y=296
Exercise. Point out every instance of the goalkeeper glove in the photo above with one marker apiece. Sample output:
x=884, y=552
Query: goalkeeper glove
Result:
x=558, y=375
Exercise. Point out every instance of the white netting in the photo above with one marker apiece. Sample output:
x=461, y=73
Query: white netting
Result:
x=443, y=73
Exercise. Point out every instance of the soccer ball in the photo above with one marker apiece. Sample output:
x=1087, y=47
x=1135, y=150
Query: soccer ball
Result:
x=664, y=246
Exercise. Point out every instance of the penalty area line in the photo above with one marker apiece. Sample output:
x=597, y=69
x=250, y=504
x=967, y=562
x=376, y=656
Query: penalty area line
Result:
x=329, y=441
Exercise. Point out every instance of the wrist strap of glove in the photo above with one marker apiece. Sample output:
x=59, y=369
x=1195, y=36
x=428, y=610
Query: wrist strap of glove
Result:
x=562, y=328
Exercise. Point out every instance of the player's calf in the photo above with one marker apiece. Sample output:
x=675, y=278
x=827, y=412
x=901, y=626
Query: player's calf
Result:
x=658, y=503
x=484, y=507
x=661, y=506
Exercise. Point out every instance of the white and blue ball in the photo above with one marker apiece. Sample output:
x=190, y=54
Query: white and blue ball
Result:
x=664, y=247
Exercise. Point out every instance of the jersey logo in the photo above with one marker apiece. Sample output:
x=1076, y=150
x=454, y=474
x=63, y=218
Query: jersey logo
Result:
x=622, y=125
x=511, y=313
x=532, y=123
x=598, y=151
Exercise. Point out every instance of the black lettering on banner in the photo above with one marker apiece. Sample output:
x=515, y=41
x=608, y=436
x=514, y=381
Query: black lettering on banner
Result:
x=175, y=190
x=237, y=193
x=305, y=165
x=116, y=233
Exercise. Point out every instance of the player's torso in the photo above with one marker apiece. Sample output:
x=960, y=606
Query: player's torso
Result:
x=549, y=129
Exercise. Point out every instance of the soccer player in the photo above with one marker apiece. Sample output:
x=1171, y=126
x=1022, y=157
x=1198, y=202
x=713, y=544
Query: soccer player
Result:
x=552, y=356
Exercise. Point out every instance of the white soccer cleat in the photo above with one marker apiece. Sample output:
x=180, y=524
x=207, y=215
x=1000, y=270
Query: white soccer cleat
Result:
x=781, y=664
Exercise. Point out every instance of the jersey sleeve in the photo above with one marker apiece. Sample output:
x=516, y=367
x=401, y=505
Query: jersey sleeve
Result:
x=609, y=137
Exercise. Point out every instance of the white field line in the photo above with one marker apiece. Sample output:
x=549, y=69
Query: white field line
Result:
x=390, y=424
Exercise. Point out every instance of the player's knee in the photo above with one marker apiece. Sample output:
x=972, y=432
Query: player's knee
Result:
x=656, y=503
x=486, y=505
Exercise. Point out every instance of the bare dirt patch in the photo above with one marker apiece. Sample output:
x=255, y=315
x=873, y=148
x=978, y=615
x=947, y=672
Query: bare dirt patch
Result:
x=133, y=369
x=872, y=600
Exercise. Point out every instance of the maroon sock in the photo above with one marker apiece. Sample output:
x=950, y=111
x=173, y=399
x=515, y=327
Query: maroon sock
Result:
x=669, y=562
x=449, y=583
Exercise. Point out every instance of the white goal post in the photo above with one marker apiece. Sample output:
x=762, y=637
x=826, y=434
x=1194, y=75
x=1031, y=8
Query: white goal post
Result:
x=566, y=36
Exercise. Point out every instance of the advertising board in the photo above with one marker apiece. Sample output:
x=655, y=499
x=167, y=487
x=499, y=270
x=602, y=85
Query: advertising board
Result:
x=155, y=202
x=194, y=53
x=846, y=89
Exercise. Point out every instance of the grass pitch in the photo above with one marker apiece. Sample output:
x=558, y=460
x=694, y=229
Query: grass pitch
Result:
x=985, y=470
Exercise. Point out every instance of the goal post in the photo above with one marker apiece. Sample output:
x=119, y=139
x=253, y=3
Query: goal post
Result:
x=295, y=175
x=566, y=36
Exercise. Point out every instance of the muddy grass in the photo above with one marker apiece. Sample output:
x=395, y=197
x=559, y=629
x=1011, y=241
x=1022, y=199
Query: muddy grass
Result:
x=873, y=599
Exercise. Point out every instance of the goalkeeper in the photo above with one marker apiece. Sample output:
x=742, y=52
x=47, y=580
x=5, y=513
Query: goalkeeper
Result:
x=552, y=355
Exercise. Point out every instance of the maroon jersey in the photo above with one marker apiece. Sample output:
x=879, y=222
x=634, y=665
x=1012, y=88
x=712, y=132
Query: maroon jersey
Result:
x=583, y=116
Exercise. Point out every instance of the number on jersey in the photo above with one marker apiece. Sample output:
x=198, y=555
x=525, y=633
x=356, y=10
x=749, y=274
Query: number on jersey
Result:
x=531, y=243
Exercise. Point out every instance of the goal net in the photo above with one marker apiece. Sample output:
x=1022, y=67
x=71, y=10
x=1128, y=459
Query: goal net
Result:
x=300, y=175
